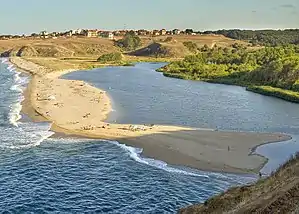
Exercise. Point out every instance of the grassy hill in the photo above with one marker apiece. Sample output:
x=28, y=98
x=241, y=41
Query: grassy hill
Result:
x=163, y=50
x=278, y=193
x=95, y=47
x=201, y=40
x=174, y=46
x=62, y=47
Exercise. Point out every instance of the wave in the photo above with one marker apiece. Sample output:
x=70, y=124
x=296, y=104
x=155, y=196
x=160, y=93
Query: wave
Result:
x=42, y=135
x=4, y=60
x=135, y=153
x=18, y=86
x=25, y=134
x=15, y=114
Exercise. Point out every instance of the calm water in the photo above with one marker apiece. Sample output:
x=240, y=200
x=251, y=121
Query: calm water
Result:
x=142, y=95
x=46, y=175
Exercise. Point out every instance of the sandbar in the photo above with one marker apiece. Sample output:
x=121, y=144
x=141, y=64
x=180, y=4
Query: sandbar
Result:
x=77, y=108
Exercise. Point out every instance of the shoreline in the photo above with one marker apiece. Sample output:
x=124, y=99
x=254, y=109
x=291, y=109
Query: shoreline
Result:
x=279, y=93
x=172, y=144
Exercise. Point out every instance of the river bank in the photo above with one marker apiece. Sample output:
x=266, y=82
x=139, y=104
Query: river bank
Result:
x=284, y=94
x=64, y=102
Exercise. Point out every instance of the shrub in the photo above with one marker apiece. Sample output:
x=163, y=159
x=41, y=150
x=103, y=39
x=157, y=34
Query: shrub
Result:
x=192, y=47
x=130, y=41
x=110, y=57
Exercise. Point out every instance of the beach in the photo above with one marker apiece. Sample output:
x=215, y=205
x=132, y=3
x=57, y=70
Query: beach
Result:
x=77, y=108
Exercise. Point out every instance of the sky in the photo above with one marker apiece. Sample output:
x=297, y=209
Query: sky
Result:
x=28, y=16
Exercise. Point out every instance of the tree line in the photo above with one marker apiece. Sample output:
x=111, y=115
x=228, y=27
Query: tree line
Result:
x=262, y=37
x=271, y=66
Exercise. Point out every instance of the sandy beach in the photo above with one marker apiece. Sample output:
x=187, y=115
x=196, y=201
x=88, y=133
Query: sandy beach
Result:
x=77, y=108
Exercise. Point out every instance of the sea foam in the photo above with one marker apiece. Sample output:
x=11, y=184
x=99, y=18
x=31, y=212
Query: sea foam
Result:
x=135, y=154
x=20, y=135
x=18, y=87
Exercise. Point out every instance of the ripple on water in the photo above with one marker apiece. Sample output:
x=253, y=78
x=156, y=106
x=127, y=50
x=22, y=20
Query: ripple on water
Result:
x=68, y=175
x=77, y=175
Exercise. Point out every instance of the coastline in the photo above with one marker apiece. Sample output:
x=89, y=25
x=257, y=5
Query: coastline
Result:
x=82, y=109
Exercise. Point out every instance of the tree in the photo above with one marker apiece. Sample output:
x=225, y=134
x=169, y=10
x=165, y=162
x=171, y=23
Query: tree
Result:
x=205, y=48
x=192, y=47
x=262, y=37
x=34, y=35
x=130, y=41
x=189, y=31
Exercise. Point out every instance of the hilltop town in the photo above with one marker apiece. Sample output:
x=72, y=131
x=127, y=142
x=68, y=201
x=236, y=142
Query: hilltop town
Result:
x=93, y=33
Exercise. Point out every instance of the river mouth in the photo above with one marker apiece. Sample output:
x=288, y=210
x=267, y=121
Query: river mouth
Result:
x=142, y=96
x=85, y=175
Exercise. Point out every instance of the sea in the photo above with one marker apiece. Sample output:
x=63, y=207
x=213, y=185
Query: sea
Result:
x=40, y=173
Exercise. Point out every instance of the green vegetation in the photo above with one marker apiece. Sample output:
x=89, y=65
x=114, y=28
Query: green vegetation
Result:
x=277, y=67
x=262, y=37
x=192, y=47
x=288, y=95
x=130, y=42
x=127, y=64
x=111, y=58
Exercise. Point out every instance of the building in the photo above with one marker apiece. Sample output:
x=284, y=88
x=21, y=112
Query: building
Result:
x=169, y=32
x=142, y=32
x=77, y=32
x=92, y=33
x=67, y=34
x=44, y=34
x=110, y=35
x=176, y=31
x=107, y=34
x=156, y=33
x=120, y=33
x=163, y=32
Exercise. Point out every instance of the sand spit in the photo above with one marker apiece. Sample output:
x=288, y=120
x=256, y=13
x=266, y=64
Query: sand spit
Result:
x=78, y=108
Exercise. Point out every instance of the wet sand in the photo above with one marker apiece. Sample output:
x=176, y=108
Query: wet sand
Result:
x=77, y=108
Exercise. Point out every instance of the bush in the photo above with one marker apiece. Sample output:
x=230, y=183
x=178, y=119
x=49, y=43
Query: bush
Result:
x=168, y=39
x=111, y=57
x=130, y=41
x=276, y=92
x=192, y=47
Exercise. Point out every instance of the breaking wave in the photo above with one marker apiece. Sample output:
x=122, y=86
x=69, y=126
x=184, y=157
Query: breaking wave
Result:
x=135, y=153
x=16, y=134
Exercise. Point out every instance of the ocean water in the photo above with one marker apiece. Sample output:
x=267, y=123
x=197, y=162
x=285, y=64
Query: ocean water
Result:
x=41, y=174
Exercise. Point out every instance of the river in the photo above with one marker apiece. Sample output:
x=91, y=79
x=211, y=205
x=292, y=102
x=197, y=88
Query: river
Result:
x=141, y=95
x=40, y=174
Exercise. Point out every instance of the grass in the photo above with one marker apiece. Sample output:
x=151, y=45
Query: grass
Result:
x=287, y=95
x=79, y=63
x=278, y=193
x=136, y=59
x=59, y=48
x=95, y=47
x=63, y=64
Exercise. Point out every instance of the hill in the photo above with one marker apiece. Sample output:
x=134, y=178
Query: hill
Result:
x=163, y=50
x=174, y=46
x=278, y=193
x=61, y=47
x=159, y=46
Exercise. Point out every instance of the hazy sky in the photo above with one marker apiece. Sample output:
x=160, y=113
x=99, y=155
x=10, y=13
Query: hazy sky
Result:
x=27, y=16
